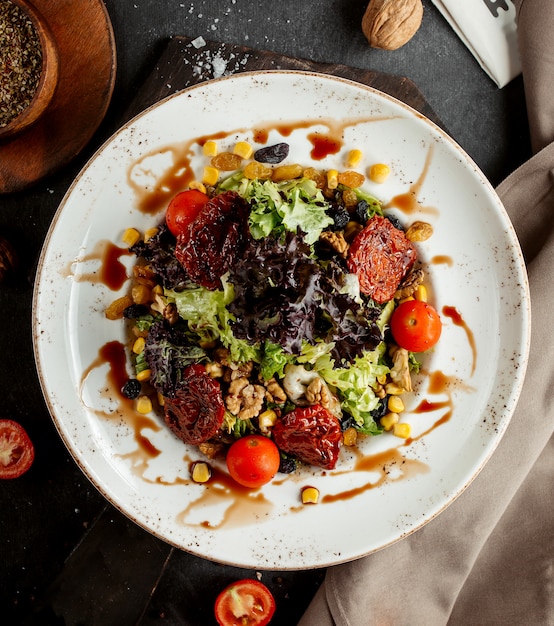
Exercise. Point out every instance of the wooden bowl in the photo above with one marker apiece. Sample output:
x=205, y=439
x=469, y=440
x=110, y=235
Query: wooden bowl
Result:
x=48, y=80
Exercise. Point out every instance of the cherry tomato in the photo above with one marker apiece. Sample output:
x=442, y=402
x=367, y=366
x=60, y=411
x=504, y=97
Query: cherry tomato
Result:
x=16, y=450
x=246, y=602
x=183, y=209
x=253, y=460
x=415, y=325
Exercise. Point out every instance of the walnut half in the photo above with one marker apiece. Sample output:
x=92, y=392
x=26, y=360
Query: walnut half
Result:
x=389, y=24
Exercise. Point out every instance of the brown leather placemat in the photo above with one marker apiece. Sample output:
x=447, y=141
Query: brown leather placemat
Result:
x=186, y=62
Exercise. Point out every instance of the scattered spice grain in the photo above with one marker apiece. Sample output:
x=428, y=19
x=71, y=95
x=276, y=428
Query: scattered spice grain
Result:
x=20, y=61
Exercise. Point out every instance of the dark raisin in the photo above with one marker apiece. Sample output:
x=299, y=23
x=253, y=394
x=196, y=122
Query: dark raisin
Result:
x=135, y=310
x=287, y=465
x=131, y=389
x=395, y=222
x=347, y=422
x=340, y=216
x=361, y=212
x=272, y=154
x=381, y=409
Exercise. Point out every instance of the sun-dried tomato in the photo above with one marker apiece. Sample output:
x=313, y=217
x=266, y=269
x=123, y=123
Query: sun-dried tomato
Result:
x=214, y=239
x=311, y=434
x=196, y=412
x=380, y=255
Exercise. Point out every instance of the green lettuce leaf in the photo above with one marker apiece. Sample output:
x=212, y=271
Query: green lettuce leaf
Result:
x=287, y=205
x=355, y=384
x=206, y=314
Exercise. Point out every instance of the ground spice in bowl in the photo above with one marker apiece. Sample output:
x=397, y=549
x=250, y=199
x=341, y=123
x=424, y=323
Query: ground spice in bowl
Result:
x=20, y=61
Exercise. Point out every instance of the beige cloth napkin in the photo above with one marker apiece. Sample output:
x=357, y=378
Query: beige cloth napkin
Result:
x=488, y=559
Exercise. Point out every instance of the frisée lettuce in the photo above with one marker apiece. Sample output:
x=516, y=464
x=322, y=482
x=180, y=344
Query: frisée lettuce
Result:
x=279, y=206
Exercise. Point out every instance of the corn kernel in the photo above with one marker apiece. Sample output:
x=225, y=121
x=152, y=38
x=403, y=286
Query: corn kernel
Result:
x=144, y=375
x=266, y=420
x=201, y=472
x=353, y=158
x=350, y=436
x=144, y=404
x=210, y=148
x=211, y=175
x=393, y=389
x=161, y=399
x=151, y=232
x=389, y=420
x=196, y=184
x=406, y=299
x=421, y=293
x=402, y=430
x=379, y=172
x=395, y=404
x=130, y=237
x=157, y=289
x=139, y=344
x=310, y=495
x=243, y=149
x=332, y=179
x=382, y=379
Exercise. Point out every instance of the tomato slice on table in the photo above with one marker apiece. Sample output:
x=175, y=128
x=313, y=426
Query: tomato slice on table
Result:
x=247, y=602
x=415, y=325
x=184, y=209
x=253, y=460
x=16, y=449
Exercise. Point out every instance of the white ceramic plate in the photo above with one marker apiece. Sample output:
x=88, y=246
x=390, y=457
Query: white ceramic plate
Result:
x=474, y=266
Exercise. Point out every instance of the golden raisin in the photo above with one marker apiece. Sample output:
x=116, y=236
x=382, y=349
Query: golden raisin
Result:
x=317, y=176
x=227, y=161
x=349, y=198
x=351, y=179
x=351, y=230
x=419, y=231
x=141, y=294
x=350, y=436
x=115, y=310
x=286, y=172
x=257, y=170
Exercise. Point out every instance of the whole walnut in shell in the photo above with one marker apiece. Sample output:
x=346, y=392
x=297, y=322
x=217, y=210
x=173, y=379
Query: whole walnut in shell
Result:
x=389, y=24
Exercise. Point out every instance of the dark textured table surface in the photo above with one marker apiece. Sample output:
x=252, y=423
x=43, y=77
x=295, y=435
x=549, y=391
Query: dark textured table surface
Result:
x=68, y=557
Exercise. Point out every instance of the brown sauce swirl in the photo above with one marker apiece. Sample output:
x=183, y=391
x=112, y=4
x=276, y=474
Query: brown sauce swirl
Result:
x=111, y=271
x=408, y=202
x=452, y=313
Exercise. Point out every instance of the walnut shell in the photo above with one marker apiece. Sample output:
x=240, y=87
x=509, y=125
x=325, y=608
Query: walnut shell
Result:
x=8, y=258
x=389, y=24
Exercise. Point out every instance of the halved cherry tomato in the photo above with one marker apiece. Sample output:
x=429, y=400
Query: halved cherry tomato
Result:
x=16, y=450
x=247, y=602
x=253, y=460
x=415, y=325
x=183, y=209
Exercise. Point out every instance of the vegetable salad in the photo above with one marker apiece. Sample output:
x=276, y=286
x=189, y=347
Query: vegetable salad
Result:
x=266, y=310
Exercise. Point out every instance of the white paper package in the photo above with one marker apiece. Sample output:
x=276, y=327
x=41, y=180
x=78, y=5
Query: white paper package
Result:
x=488, y=28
